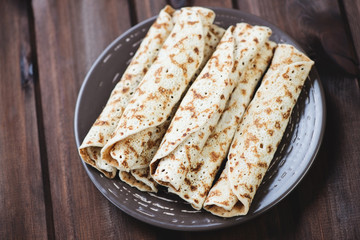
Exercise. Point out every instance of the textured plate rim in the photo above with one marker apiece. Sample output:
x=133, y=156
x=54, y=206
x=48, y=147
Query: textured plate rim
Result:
x=318, y=134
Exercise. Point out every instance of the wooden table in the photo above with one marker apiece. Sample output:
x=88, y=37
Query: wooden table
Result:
x=47, y=47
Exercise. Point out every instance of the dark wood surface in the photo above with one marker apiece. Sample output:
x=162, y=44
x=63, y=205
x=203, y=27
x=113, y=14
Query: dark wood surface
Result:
x=46, y=49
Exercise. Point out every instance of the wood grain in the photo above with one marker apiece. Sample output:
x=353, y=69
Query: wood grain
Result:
x=22, y=206
x=352, y=15
x=210, y=3
x=321, y=24
x=147, y=9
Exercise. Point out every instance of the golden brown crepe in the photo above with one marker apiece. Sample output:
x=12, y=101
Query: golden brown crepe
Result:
x=139, y=178
x=106, y=123
x=259, y=133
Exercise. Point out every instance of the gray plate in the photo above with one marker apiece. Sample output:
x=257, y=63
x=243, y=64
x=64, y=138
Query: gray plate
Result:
x=294, y=157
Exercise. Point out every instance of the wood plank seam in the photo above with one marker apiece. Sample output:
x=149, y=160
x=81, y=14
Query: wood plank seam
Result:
x=40, y=125
x=235, y=4
x=350, y=34
x=180, y=3
x=132, y=12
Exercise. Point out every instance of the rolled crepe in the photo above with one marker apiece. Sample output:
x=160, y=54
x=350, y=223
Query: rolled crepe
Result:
x=203, y=104
x=199, y=179
x=106, y=123
x=259, y=133
x=140, y=177
x=159, y=91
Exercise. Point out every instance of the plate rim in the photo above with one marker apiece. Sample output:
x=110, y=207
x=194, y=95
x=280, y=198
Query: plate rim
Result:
x=203, y=227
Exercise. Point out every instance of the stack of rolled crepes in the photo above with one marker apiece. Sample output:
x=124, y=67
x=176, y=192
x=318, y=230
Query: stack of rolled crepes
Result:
x=177, y=113
x=104, y=127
